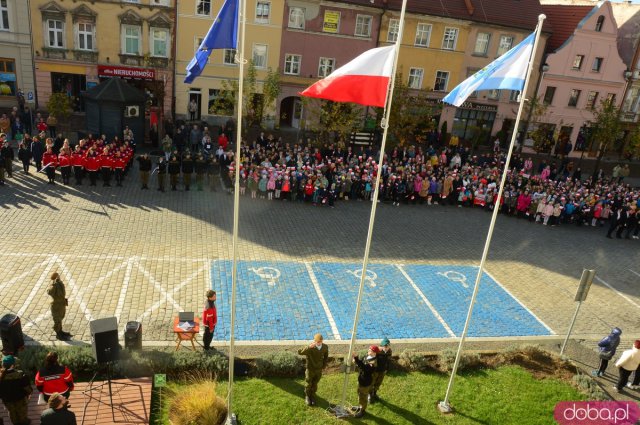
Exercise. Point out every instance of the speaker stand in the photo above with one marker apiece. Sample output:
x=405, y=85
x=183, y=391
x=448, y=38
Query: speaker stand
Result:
x=99, y=387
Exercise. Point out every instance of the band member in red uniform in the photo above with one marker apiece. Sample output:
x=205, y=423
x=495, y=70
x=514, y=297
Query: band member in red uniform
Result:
x=77, y=162
x=209, y=319
x=92, y=165
x=106, y=165
x=53, y=377
x=64, y=162
x=50, y=162
x=118, y=167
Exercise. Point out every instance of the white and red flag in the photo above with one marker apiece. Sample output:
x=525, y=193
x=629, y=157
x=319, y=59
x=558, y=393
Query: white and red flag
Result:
x=364, y=80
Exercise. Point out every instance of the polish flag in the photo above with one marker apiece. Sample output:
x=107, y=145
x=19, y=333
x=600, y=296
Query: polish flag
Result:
x=364, y=80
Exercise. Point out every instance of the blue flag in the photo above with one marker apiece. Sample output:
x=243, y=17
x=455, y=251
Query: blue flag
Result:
x=223, y=34
x=507, y=72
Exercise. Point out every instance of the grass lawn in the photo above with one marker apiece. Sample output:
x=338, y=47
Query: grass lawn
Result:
x=507, y=395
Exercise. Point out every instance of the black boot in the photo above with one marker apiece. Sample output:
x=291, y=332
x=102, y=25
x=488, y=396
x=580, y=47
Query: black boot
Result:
x=67, y=334
x=61, y=336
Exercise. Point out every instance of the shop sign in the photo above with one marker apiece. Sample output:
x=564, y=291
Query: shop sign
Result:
x=479, y=107
x=126, y=72
x=331, y=21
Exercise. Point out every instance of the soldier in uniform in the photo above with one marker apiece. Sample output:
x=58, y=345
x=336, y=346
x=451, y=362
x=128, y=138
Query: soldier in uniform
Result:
x=187, y=170
x=15, y=390
x=383, y=358
x=162, y=171
x=174, y=171
x=58, y=306
x=209, y=318
x=317, y=355
x=365, y=378
x=201, y=169
x=145, y=167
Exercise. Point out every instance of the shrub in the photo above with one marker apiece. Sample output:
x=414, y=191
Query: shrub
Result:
x=590, y=387
x=413, y=361
x=283, y=364
x=197, y=404
x=447, y=358
x=78, y=359
x=31, y=359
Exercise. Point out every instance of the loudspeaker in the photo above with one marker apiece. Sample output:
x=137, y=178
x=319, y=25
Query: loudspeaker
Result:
x=104, y=339
x=133, y=336
x=185, y=316
x=11, y=334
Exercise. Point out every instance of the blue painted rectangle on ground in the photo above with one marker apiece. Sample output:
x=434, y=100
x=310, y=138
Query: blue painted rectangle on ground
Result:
x=284, y=301
x=274, y=301
x=496, y=312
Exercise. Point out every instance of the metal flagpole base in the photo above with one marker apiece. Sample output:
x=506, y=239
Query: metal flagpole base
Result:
x=445, y=407
x=232, y=419
x=340, y=412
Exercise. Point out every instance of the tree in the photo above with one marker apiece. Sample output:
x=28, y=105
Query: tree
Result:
x=59, y=105
x=336, y=120
x=270, y=91
x=632, y=149
x=535, y=109
x=607, y=128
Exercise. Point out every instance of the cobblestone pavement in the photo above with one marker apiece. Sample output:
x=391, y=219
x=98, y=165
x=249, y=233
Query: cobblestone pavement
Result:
x=145, y=255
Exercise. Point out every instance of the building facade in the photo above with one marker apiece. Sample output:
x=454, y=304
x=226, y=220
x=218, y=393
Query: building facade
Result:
x=585, y=70
x=16, y=64
x=78, y=44
x=262, y=47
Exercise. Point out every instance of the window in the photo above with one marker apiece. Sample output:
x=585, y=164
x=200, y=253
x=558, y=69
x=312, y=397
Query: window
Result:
x=611, y=98
x=325, y=66
x=577, y=61
x=423, y=35
x=56, y=33
x=442, y=79
x=597, y=64
x=203, y=7
x=363, y=26
x=229, y=57
x=259, y=55
x=292, y=64
x=506, y=43
x=394, y=28
x=7, y=77
x=599, y=23
x=160, y=2
x=450, y=38
x=296, y=18
x=263, y=9
x=493, y=95
x=415, y=78
x=159, y=41
x=591, y=99
x=514, y=96
x=85, y=36
x=131, y=40
x=482, y=44
x=4, y=19
x=573, y=97
x=548, y=95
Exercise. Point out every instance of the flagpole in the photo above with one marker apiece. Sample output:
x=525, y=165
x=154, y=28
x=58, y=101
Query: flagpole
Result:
x=444, y=406
x=365, y=260
x=236, y=207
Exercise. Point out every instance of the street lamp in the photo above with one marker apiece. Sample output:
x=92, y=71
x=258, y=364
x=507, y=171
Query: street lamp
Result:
x=544, y=67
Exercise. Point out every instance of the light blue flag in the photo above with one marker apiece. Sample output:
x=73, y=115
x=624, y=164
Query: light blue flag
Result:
x=223, y=34
x=507, y=72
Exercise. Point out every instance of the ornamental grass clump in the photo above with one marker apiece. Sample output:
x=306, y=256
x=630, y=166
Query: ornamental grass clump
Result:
x=197, y=404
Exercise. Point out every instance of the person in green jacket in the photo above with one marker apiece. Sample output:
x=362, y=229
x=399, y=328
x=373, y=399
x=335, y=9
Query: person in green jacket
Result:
x=58, y=306
x=15, y=390
x=317, y=355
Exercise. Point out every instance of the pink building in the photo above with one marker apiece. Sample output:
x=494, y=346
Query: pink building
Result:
x=582, y=72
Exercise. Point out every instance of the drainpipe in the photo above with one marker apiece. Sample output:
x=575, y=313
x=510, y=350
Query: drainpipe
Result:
x=173, y=56
x=33, y=60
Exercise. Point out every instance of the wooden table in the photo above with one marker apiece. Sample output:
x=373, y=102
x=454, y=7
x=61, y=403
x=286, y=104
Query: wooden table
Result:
x=186, y=335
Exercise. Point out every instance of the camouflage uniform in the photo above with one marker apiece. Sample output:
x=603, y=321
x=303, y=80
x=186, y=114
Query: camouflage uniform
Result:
x=15, y=390
x=59, y=304
x=316, y=361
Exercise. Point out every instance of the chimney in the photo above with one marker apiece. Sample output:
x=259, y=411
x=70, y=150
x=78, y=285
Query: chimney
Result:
x=470, y=7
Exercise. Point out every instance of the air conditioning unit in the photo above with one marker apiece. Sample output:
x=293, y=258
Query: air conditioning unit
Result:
x=132, y=111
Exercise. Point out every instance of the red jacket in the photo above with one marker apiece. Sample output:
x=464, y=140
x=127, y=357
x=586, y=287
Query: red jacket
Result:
x=105, y=161
x=50, y=158
x=77, y=159
x=210, y=315
x=42, y=126
x=119, y=162
x=57, y=379
x=223, y=142
x=91, y=163
x=64, y=160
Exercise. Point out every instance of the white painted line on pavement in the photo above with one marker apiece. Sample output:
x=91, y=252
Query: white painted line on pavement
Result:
x=21, y=275
x=124, y=288
x=44, y=277
x=426, y=301
x=323, y=302
x=74, y=291
x=35, y=321
x=635, y=272
x=618, y=292
x=518, y=301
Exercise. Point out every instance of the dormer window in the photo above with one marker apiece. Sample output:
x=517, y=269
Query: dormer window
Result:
x=599, y=23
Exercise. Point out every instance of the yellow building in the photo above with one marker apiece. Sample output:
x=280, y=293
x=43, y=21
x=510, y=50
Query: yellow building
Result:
x=77, y=44
x=262, y=45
